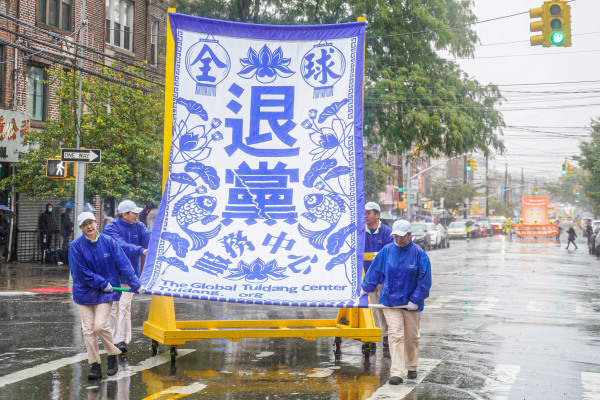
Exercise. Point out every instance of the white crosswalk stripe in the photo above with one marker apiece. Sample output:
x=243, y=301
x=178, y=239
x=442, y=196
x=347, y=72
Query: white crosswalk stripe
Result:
x=395, y=392
x=591, y=385
x=498, y=385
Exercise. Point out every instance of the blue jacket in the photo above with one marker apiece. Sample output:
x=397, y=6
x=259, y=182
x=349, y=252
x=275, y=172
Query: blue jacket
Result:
x=375, y=241
x=405, y=275
x=93, y=265
x=133, y=239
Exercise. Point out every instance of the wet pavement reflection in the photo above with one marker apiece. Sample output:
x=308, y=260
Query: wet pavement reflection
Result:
x=507, y=319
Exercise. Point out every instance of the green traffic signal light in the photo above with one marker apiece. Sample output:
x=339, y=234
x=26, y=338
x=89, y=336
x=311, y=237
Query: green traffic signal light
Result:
x=557, y=38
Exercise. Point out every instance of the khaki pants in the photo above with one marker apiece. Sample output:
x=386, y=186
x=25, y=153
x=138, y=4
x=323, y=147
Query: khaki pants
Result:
x=94, y=325
x=377, y=312
x=403, y=337
x=120, y=318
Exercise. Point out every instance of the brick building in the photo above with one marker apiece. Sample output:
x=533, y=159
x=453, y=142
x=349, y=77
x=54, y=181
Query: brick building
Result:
x=40, y=35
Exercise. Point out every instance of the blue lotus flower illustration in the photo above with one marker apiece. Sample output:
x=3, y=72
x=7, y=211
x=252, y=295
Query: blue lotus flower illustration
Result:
x=266, y=65
x=257, y=271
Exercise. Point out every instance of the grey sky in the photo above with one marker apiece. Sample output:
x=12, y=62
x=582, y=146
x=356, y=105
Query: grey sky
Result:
x=516, y=62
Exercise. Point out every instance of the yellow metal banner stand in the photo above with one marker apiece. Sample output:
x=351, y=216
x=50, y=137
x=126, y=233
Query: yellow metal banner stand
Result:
x=162, y=327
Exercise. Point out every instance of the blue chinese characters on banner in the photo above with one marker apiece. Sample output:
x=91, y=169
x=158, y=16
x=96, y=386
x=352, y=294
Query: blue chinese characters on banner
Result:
x=264, y=201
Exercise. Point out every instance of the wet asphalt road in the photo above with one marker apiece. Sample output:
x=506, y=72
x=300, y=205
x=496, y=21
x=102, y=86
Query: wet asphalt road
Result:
x=507, y=319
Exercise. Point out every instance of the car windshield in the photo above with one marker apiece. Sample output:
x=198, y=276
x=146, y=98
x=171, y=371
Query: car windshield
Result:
x=417, y=228
x=497, y=221
x=457, y=225
x=430, y=227
x=440, y=228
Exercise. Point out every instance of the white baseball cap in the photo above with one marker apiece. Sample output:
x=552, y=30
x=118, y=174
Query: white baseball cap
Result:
x=372, y=206
x=84, y=216
x=128, y=206
x=401, y=227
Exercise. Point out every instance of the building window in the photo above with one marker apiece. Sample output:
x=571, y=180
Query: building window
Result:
x=37, y=95
x=56, y=13
x=154, y=43
x=119, y=23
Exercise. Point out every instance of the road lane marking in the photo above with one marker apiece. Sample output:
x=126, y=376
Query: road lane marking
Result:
x=591, y=385
x=535, y=305
x=42, y=368
x=486, y=304
x=178, y=391
x=10, y=293
x=148, y=363
x=500, y=382
x=389, y=392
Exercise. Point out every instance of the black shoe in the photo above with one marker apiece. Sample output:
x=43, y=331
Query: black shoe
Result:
x=113, y=365
x=386, y=344
x=122, y=346
x=412, y=375
x=373, y=347
x=395, y=380
x=95, y=372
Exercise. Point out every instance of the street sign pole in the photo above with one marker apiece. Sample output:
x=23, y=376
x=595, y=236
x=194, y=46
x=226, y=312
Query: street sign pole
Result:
x=79, y=183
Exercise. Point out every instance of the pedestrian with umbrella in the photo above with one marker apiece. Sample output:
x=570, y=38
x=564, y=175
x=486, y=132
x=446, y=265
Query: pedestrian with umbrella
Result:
x=572, y=236
x=97, y=264
x=66, y=230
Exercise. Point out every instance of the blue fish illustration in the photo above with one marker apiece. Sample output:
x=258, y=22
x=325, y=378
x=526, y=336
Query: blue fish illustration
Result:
x=189, y=210
x=328, y=208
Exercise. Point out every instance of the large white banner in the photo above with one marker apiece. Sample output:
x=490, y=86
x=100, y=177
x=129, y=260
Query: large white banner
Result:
x=264, y=201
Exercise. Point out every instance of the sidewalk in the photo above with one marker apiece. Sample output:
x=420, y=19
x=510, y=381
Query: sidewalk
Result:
x=28, y=276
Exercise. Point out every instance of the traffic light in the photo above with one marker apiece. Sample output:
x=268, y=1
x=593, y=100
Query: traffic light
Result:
x=564, y=169
x=469, y=165
x=473, y=164
x=569, y=169
x=555, y=24
x=576, y=191
x=535, y=190
x=56, y=168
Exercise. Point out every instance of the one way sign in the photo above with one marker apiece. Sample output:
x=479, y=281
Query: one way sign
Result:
x=81, y=155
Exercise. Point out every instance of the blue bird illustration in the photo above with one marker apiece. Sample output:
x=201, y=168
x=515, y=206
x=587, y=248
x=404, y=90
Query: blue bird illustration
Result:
x=189, y=210
x=328, y=208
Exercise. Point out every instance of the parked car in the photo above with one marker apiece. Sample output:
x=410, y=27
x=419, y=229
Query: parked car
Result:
x=497, y=224
x=486, y=228
x=444, y=238
x=434, y=235
x=420, y=235
x=592, y=241
x=456, y=230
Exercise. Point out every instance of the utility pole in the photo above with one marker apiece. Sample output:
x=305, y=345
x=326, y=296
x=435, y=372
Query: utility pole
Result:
x=465, y=182
x=506, y=194
x=487, y=189
x=80, y=172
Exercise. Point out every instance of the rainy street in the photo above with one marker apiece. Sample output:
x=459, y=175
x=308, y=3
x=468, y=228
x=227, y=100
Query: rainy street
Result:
x=507, y=319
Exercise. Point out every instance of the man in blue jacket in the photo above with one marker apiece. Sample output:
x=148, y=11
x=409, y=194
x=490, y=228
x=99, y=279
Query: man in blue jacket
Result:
x=377, y=235
x=404, y=271
x=97, y=264
x=133, y=237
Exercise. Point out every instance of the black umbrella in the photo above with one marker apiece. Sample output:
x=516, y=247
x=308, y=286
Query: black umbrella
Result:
x=7, y=211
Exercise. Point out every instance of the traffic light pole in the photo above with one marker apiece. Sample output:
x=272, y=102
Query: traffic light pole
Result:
x=408, y=192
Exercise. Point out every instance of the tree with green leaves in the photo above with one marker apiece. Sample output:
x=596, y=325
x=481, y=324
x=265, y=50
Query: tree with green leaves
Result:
x=414, y=98
x=124, y=122
x=502, y=208
x=454, y=193
x=589, y=161
x=375, y=177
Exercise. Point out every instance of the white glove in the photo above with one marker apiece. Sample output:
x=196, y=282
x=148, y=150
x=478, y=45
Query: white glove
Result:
x=362, y=293
x=140, y=290
x=412, y=306
x=108, y=288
